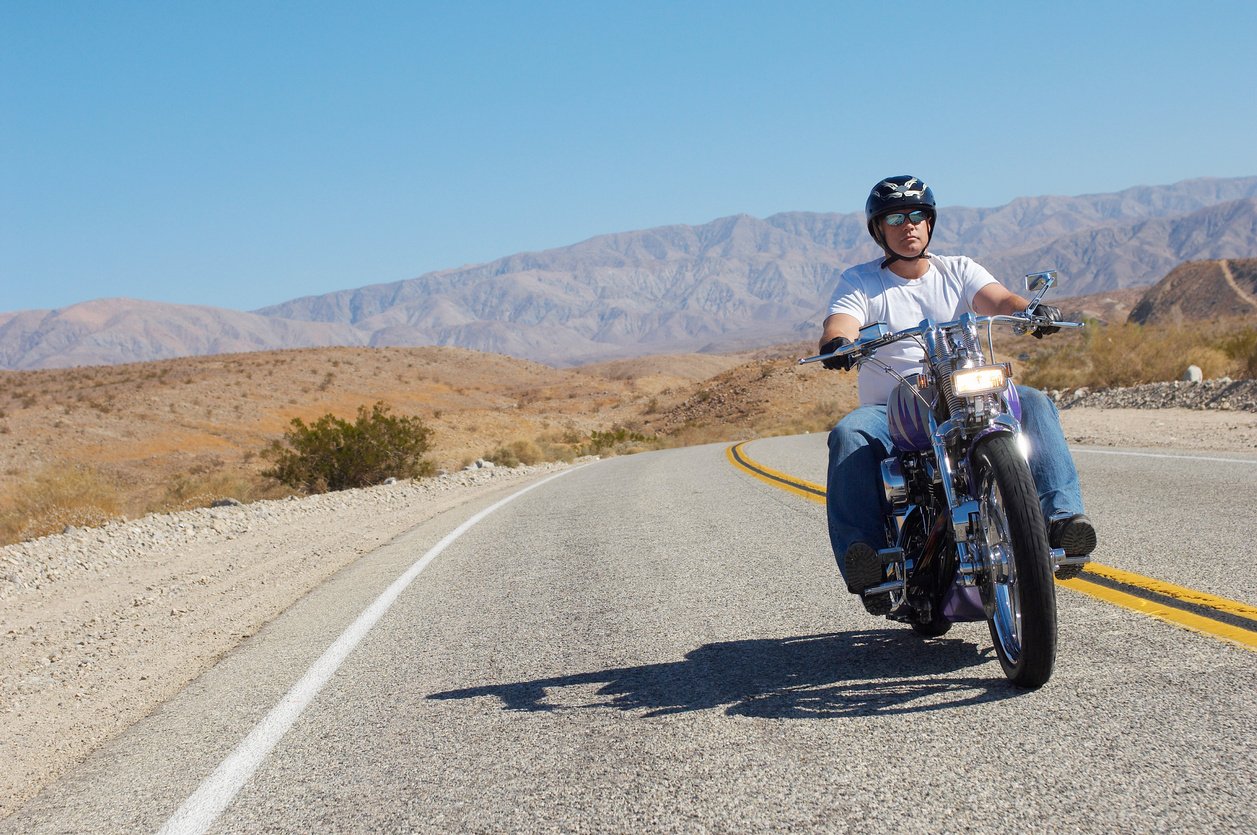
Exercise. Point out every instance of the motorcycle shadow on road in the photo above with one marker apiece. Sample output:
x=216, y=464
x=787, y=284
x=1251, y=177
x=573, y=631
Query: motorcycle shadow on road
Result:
x=861, y=674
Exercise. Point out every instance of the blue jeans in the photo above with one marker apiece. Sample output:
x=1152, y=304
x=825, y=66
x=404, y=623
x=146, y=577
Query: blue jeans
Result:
x=861, y=440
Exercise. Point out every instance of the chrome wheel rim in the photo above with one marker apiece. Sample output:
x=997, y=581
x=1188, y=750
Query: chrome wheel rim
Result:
x=1001, y=572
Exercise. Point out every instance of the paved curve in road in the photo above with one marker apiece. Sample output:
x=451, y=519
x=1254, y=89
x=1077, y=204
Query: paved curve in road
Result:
x=661, y=642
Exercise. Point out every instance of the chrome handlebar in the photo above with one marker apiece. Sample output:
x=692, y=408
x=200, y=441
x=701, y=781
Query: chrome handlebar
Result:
x=1021, y=322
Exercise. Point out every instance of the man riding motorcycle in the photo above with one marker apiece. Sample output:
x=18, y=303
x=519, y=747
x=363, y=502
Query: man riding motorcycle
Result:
x=904, y=287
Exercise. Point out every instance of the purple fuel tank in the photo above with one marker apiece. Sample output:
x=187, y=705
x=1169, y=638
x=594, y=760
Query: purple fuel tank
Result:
x=909, y=418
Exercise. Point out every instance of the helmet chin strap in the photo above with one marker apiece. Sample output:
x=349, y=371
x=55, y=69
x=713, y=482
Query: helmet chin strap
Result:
x=894, y=256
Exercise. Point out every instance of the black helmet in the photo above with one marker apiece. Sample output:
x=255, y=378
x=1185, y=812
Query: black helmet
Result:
x=897, y=194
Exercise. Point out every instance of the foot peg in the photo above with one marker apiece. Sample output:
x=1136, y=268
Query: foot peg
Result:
x=1059, y=558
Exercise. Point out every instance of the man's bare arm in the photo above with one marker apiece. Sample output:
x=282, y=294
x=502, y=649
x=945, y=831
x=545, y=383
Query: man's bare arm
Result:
x=840, y=324
x=995, y=299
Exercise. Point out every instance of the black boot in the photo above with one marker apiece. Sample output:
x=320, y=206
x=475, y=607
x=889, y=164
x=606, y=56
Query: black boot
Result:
x=1077, y=536
x=865, y=570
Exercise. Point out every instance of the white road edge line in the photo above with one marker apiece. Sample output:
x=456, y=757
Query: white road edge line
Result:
x=203, y=807
x=1162, y=455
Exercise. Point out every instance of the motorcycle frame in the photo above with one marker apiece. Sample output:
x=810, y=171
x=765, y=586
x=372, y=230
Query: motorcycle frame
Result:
x=952, y=444
x=952, y=441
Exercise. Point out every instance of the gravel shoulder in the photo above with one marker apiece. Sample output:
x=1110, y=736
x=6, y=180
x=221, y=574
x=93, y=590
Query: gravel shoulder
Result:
x=100, y=626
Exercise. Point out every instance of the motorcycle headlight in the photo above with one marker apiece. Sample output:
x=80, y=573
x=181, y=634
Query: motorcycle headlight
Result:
x=985, y=379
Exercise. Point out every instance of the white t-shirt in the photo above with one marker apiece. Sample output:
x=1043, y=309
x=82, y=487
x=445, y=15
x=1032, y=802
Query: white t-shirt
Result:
x=872, y=294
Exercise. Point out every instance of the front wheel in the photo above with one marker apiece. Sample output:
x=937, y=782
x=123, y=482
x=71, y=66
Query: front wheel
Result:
x=1014, y=550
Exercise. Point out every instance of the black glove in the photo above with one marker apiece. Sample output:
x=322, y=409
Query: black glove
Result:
x=1052, y=314
x=837, y=363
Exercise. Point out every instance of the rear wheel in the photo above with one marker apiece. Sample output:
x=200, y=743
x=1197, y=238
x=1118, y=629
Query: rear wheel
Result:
x=1019, y=591
x=915, y=539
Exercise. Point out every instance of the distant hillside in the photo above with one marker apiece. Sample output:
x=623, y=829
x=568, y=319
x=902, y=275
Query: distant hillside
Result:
x=1109, y=307
x=113, y=331
x=730, y=284
x=1201, y=290
x=1141, y=253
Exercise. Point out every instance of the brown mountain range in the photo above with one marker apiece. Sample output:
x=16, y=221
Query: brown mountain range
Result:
x=731, y=284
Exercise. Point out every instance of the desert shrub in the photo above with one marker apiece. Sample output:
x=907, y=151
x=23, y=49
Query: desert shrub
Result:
x=502, y=456
x=1212, y=362
x=58, y=497
x=545, y=447
x=334, y=454
x=516, y=453
x=528, y=452
x=618, y=439
x=568, y=444
x=189, y=490
x=1127, y=355
x=1241, y=346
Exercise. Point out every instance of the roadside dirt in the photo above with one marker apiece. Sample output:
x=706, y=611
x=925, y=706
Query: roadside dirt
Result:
x=1185, y=429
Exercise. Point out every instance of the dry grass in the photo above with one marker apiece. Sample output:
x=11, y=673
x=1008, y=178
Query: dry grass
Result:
x=1129, y=354
x=56, y=498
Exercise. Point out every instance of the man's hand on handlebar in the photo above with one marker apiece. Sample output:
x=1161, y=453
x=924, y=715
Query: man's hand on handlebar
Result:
x=837, y=363
x=1052, y=314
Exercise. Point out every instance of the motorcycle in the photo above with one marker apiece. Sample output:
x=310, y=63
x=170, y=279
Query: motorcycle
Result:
x=968, y=539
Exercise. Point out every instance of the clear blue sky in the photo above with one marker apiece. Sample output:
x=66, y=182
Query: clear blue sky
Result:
x=240, y=154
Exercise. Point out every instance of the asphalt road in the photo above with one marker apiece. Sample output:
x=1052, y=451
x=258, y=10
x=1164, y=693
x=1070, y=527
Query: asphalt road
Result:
x=661, y=642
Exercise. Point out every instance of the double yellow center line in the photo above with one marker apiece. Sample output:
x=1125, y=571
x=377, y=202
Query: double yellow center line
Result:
x=1218, y=617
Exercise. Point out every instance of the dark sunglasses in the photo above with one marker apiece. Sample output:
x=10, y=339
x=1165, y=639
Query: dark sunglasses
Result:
x=897, y=218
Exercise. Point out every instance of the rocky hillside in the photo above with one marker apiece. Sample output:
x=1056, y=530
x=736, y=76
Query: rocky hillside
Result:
x=1201, y=290
x=731, y=284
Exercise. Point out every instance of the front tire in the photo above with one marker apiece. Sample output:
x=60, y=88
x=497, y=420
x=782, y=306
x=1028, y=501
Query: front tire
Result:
x=1017, y=561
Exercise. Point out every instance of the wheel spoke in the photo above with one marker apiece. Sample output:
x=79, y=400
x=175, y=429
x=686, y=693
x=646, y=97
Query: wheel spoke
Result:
x=1003, y=568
